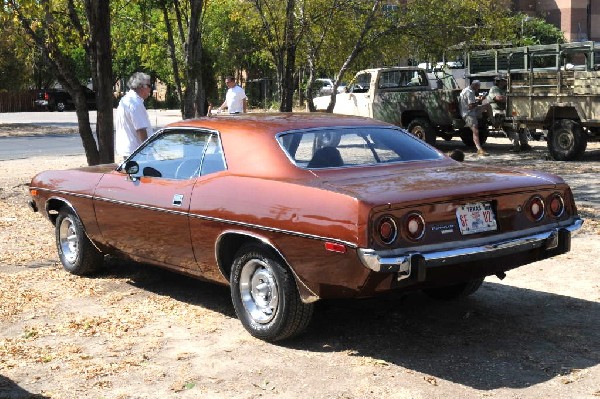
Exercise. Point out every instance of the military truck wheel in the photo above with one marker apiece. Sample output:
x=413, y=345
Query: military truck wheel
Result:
x=566, y=140
x=422, y=128
x=466, y=135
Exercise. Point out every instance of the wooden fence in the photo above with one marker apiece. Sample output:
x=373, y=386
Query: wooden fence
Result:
x=18, y=101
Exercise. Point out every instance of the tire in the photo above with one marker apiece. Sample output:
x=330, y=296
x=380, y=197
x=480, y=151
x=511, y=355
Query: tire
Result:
x=566, y=140
x=265, y=296
x=422, y=128
x=76, y=252
x=454, y=291
x=61, y=106
x=448, y=136
x=466, y=135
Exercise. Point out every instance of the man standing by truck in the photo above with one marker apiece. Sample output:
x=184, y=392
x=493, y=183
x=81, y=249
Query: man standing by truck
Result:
x=497, y=100
x=470, y=110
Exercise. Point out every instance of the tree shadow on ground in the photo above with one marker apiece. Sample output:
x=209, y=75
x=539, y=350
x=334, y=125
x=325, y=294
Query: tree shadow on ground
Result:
x=502, y=336
x=10, y=390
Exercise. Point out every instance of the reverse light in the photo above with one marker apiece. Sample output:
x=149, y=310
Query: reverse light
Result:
x=387, y=230
x=415, y=226
x=535, y=208
x=556, y=205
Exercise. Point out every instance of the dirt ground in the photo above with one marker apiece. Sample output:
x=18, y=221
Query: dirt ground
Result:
x=136, y=331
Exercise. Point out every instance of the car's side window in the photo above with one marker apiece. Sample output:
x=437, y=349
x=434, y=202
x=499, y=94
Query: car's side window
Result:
x=213, y=160
x=361, y=84
x=173, y=154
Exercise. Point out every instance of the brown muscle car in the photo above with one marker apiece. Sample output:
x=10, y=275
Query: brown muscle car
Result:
x=288, y=209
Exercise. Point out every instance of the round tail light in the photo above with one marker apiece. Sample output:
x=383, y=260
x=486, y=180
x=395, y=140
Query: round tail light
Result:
x=415, y=226
x=556, y=205
x=536, y=208
x=387, y=230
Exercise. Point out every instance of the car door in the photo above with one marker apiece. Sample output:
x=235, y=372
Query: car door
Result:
x=146, y=215
x=360, y=97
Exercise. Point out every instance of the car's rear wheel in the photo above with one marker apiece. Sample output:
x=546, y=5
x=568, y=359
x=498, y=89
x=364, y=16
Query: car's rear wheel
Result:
x=77, y=253
x=265, y=296
x=454, y=291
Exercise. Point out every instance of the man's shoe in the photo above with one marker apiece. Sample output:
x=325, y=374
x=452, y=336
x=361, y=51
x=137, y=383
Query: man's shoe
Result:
x=515, y=149
x=483, y=153
x=526, y=147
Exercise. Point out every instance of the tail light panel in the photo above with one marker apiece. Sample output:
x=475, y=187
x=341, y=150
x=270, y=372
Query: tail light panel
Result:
x=387, y=230
x=556, y=205
x=414, y=226
x=535, y=208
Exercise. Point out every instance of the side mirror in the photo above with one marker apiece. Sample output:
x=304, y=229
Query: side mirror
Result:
x=131, y=168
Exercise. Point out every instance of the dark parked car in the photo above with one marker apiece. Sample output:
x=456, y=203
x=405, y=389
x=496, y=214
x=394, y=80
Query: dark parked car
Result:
x=60, y=100
x=259, y=203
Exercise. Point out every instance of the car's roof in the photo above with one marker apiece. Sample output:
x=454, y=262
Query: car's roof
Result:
x=277, y=122
x=249, y=139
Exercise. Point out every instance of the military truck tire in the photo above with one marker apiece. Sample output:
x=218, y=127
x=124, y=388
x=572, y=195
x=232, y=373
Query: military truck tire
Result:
x=566, y=140
x=466, y=135
x=422, y=128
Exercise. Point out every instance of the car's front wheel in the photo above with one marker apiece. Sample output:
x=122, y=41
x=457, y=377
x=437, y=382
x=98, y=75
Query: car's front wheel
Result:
x=77, y=253
x=454, y=291
x=265, y=296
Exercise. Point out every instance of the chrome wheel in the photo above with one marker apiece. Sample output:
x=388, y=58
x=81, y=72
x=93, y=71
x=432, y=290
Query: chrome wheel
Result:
x=77, y=253
x=68, y=240
x=259, y=291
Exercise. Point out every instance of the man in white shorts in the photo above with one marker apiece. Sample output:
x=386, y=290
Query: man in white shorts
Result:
x=470, y=104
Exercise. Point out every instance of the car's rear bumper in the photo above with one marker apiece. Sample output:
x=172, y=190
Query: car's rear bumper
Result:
x=415, y=264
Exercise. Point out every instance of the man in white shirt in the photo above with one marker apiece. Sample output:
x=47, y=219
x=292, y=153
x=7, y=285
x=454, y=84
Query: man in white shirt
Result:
x=470, y=108
x=132, y=126
x=235, y=99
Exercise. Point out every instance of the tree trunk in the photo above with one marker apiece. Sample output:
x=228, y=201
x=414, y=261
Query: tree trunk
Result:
x=99, y=19
x=171, y=44
x=194, y=93
x=288, y=87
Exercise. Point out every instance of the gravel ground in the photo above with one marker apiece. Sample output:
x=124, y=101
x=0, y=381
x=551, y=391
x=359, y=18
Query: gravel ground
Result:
x=135, y=331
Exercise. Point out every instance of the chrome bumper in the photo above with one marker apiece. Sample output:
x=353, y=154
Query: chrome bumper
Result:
x=403, y=264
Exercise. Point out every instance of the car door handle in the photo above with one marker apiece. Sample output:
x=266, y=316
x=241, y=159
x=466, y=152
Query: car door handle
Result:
x=177, y=199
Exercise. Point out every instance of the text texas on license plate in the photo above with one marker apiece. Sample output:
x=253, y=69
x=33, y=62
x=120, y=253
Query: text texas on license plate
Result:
x=475, y=218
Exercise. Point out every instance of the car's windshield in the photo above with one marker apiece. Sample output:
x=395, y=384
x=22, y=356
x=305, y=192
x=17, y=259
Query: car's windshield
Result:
x=353, y=146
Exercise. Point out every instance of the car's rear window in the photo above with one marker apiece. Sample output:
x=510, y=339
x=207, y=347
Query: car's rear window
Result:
x=353, y=146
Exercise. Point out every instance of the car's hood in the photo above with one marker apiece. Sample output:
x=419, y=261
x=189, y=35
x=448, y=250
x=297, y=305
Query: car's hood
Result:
x=418, y=184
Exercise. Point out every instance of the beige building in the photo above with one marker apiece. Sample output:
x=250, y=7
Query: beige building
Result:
x=578, y=19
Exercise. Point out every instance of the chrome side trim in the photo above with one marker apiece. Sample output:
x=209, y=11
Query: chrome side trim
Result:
x=210, y=218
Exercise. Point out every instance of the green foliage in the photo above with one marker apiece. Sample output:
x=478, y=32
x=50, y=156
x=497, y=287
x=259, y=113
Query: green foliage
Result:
x=531, y=31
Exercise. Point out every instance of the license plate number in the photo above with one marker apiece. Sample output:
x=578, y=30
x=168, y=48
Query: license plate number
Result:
x=476, y=218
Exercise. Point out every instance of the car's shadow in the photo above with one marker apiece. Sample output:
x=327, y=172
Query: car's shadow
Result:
x=502, y=336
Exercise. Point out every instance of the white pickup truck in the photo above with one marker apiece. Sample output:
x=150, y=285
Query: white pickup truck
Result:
x=424, y=104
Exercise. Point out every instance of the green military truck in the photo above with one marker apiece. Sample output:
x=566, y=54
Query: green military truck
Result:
x=424, y=104
x=553, y=89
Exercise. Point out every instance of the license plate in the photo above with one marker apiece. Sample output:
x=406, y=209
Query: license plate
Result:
x=476, y=218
